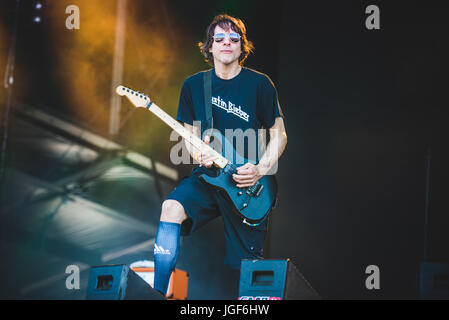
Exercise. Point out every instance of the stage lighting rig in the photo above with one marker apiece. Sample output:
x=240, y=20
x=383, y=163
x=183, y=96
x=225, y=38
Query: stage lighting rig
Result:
x=38, y=8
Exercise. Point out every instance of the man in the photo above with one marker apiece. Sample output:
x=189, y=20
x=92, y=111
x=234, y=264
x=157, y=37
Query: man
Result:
x=241, y=99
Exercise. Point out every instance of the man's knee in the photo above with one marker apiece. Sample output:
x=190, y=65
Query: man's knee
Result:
x=173, y=211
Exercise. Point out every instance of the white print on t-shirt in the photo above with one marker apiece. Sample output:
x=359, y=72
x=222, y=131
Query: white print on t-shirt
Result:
x=230, y=108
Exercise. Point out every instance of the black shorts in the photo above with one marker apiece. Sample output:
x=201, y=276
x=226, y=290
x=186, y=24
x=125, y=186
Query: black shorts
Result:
x=203, y=203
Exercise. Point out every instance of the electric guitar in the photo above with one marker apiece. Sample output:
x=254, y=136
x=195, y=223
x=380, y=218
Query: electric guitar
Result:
x=252, y=203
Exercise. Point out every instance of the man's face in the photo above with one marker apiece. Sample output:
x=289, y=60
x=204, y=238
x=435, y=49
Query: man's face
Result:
x=227, y=51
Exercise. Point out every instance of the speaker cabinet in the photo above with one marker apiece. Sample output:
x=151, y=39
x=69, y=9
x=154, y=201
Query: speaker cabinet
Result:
x=273, y=280
x=118, y=282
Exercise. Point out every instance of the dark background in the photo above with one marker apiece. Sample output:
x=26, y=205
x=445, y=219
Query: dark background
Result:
x=361, y=108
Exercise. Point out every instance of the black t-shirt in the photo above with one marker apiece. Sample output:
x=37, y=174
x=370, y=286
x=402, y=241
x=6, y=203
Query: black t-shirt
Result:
x=247, y=101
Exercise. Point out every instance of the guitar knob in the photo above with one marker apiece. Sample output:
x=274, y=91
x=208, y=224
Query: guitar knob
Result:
x=245, y=205
x=239, y=193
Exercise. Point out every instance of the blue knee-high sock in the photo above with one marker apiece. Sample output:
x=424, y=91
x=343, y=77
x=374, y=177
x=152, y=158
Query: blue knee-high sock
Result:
x=165, y=253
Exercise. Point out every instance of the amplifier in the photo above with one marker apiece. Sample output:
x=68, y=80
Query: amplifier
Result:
x=177, y=285
x=118, y=282
x=273, y=280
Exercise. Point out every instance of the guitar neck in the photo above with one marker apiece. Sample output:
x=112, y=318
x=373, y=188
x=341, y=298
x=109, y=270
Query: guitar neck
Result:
x=187, y=134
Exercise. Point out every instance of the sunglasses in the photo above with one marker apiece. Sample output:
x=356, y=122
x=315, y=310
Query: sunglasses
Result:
x=219, y=37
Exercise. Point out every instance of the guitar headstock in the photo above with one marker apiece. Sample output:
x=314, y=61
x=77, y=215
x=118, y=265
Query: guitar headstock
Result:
x=138, y=99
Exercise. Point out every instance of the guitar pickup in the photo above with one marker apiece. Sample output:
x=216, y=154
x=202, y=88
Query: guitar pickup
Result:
x=258, y=190
x=255, y=190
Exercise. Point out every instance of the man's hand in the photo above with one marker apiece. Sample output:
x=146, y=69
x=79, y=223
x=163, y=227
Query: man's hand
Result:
x=206, y=157
x=247, y=175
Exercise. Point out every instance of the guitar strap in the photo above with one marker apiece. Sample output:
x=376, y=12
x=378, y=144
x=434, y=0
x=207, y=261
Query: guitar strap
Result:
x=209, y=121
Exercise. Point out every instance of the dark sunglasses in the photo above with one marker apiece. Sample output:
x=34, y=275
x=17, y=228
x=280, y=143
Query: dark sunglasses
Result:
x=219, y=37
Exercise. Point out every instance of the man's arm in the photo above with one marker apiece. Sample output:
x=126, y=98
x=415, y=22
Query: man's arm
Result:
x=278, y=141
x=248, y=174
x=204, y=158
